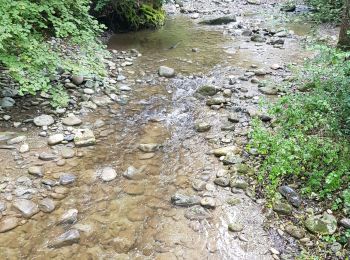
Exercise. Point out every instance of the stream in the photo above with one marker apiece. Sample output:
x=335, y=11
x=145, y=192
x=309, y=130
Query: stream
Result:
x=132, y=217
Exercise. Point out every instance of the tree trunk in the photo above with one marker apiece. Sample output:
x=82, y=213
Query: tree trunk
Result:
x=344, y=35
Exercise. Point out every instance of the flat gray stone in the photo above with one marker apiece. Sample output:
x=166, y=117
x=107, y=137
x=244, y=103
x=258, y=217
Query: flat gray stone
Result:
x=43, y=120
x=26, y=207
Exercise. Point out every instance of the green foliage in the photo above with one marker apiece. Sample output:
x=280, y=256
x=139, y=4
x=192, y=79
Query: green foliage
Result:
x=326, y=10
x=310, y=144
x=26, y=26
x=131, y=14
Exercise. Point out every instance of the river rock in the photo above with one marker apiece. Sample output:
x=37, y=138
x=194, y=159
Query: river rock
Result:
x=71, y=120
x=149, y=148
x=69, y=217
x=67, y=178
x=295, y=231
x=108, y=174
x=291, y=195
x=47, y=156
x=232, y=158
x=216, y=101
x=325, y=224
x=223, y=151
x=207, y=90
x=202, y=127
x=8, y=223
x=268, y=90
x=235, y=227
x=68, y=238
x=47, y=205
x=199, y=185
x=67, y=152
x=239, y=184
x=84, y=137
x=184, y=200
x=208, y=203
x=55, y=139
x=197, y=213
x=166, y=72
x=16, y=140
x=36, y=171
x=222, y=181
x=257, y=38
x=220, y=20
x=43, y=120
x=3, y=206
x=345, y=222
x=7, y=102
x=282, y=208
x=24, y=148
x=26, y=207
x=77, y=80
x=132, y=173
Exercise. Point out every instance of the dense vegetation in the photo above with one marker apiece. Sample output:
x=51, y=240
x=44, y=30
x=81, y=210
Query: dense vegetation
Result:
x=30, y=33
x=326, y=10
x=129, y=14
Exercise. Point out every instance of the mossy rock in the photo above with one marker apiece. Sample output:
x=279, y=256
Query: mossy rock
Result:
x=323, y=225
x=207, y=90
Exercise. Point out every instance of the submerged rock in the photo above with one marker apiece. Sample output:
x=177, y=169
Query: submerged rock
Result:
x=184, y=200
x=220, y=20
x=47, y=205
x=66, y=239
x=8, y=224
x=108, y=174
x=69, y=217
x=325, y=224
x=149, y=148
x=26, y=207
x=84, y=137
x=197, y=213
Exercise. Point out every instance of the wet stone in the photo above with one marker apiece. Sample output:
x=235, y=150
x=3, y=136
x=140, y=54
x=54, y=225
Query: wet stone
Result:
x=69, y=217
x=2, y=206
x=207, y=90
x=8, y=223
x=295, y=231
x=184, y=200
x=47, y=156
x=197, y=213
x=84, y=137
x=239, y=184
x=199, y=185
x=67, y=153
x=216, y=101
x=138, y=214
x=26, y=207
x=282, y=208
x=71, y=120
x=36, y=171
x=291, y=195
x=134, y=189
x=235, y=227
x=47, y=205
x=232, y=158
x=66, y=239
x=107, y=174
x=43, y=120
x=222, y=181
x=149, y=148
x=202, y=127
x=67, y=178
x=220, y=20
x=16, y=140
x=166, y=72
x=225, y=150
x=208, y=203
x=345, y=222
x=325, y=224
x=55, y=139
x=132, y=173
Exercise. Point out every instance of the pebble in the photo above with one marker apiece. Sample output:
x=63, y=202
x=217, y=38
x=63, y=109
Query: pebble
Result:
x=24, y=148
x=235, y=227
x=36, y=171
x=208, y=202
x=69, y=217
x=67, y=178
x=55, y=139
x=47, y=205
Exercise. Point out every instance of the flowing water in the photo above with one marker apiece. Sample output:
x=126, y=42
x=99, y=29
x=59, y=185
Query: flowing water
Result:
x=133, y=218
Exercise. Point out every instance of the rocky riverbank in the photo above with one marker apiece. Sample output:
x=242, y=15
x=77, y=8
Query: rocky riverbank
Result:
x=151, y=162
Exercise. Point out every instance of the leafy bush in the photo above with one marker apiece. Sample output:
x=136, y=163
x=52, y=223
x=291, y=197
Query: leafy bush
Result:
x=25, y=27
x=326, y=10
x=309, y=144
x=130, y=14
